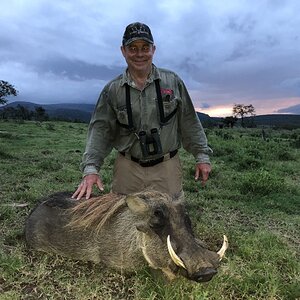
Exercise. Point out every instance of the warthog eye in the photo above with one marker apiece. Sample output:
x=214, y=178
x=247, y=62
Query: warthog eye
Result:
x=158, y=220
x=159, y=213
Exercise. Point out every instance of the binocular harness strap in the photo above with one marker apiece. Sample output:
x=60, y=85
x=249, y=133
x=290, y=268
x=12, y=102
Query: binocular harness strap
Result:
x=162, y=117
x=128, y=108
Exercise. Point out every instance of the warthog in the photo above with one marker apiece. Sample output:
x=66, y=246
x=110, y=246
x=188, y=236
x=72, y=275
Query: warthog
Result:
x=123, y=232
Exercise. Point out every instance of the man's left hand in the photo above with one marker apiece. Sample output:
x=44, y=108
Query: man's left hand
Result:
x=202, y=172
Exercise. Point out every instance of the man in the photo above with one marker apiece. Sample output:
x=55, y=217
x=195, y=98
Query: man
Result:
x=146, y=114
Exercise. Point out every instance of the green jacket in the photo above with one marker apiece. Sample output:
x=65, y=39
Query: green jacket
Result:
x=105, y=132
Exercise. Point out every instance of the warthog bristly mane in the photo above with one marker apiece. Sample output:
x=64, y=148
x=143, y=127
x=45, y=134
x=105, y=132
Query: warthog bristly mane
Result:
x=93, y=213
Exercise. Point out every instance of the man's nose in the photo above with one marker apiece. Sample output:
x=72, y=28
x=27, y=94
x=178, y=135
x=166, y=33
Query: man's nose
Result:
x=139, y=52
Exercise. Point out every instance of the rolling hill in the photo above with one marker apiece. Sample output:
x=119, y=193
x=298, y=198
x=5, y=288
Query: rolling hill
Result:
x=63, y=111
x=82, y=112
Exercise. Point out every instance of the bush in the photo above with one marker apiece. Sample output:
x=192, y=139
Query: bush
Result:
x=296, y=143
x=260, y=182
x=50, y=126
x=285, y=155
x=248, y=162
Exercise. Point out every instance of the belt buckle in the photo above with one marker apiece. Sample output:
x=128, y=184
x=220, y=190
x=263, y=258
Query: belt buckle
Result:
x=150, y=162
x=145, y=162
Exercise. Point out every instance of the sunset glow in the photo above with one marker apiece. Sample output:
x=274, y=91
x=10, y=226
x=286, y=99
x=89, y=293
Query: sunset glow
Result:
x=217, y=111
x=262, y=107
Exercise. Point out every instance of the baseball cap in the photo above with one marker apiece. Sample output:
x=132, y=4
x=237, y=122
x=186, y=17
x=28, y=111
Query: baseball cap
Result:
x=137, y=31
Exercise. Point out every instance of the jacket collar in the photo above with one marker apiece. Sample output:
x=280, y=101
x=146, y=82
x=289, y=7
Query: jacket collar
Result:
x=155, y=74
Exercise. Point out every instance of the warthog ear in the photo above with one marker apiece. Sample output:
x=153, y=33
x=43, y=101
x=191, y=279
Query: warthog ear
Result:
x=137, y=204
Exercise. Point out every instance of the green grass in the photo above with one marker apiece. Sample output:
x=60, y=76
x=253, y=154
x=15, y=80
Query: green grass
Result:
x=253, y=196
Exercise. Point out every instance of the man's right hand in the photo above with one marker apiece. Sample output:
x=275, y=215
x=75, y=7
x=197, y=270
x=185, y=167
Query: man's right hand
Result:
x=86, y=186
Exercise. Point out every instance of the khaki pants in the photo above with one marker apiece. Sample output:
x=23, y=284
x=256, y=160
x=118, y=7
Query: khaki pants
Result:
x=130, y=177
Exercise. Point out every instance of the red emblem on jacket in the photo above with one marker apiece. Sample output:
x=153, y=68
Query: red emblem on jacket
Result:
x=166, y=91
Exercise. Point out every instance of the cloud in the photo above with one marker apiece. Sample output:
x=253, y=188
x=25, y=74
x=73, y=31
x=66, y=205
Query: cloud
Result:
x=238, y=51
x=295, y=109
x=77, y=70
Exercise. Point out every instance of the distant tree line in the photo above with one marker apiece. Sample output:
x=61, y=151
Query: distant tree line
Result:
x=22, y=113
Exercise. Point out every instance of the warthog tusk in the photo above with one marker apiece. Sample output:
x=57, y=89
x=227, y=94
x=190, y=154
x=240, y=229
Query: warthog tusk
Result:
x=224, y=247
x=177, y=260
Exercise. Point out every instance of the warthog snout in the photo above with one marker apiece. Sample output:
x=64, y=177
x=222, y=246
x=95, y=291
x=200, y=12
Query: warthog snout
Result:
x=124, y=232
x=204, y=274
x=196, y=262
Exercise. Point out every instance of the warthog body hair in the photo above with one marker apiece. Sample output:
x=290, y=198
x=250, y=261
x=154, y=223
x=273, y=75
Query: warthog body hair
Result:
x=123, y=232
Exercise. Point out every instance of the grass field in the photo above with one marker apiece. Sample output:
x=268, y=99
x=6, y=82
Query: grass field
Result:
x=253, y=196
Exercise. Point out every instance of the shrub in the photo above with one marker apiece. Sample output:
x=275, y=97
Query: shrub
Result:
x=5, y=155
x=5, y=134
x=248, y=162
x=50, y=126
x=285, y=155
x=296, y=143
x=260, y=182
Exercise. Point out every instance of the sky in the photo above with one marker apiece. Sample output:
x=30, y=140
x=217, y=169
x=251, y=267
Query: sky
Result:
x=227, y=52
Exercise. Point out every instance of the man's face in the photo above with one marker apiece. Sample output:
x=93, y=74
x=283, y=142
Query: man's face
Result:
x=139, y=55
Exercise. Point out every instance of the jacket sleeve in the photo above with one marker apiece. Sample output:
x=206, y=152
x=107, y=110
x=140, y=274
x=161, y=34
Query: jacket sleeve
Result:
x=100, y=135
x=192, y=133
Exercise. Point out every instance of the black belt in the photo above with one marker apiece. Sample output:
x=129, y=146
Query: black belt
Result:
x=151, y=162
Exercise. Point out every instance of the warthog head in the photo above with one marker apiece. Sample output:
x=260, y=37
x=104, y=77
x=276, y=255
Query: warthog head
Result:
x=167, y=238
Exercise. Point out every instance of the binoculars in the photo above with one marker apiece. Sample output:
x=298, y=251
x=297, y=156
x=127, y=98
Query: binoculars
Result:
x=150, y=144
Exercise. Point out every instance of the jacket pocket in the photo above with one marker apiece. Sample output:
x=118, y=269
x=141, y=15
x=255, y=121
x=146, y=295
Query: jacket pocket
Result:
x=170, y=104
x=122, y=121
x=122, y=115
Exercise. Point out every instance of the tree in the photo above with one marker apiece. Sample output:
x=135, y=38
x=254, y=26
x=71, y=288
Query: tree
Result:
x=6, y=89
x=229, y=121
x=8, y=113
x=40, y=114
x=19, y=113
x=23, y=113
x=242, y=110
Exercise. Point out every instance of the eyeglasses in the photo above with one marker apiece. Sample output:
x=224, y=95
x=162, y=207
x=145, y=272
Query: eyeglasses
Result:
x=136, y=50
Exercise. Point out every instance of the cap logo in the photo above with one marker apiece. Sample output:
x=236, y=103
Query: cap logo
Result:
x=138, y=31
